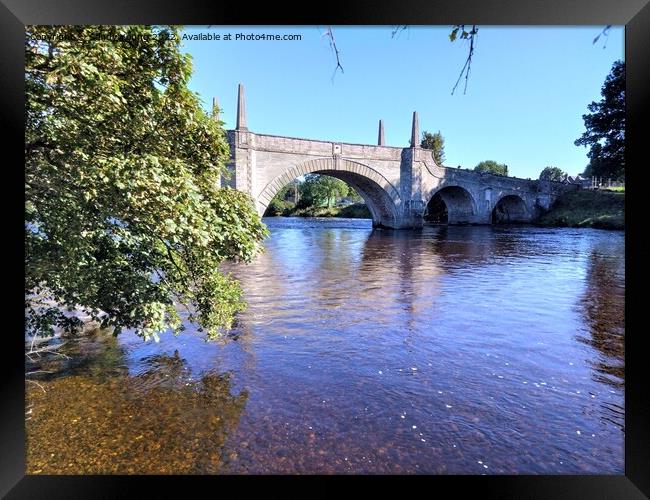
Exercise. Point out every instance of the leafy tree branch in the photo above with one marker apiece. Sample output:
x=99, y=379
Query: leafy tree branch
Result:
x=124, y=216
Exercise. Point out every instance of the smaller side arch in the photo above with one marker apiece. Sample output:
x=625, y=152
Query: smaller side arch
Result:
x=509, y=209
x=456, y=204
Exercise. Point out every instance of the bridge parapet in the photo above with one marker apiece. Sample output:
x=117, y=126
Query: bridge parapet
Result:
x=282, y=144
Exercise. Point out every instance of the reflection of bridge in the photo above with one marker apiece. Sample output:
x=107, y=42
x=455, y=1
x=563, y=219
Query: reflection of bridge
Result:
x=396, y=183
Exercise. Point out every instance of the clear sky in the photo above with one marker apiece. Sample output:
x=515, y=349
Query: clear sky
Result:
x=528, y=87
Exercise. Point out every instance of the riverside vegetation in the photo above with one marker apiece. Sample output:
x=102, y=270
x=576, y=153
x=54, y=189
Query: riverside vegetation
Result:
x=587, y=208
x=317, y=196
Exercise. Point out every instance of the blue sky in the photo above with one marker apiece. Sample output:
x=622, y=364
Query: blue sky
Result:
x=527, y=91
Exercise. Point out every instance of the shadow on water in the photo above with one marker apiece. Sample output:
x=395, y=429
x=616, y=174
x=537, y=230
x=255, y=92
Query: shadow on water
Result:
x=88, y=416
x=602, y=305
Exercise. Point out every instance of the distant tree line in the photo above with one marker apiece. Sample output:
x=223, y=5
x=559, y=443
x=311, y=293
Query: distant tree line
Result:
x=314, y=190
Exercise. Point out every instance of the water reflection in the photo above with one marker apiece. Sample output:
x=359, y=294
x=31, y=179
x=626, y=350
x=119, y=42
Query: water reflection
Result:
x=603, y=305
x=446, y=350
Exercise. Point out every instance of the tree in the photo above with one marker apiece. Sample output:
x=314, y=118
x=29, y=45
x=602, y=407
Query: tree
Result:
x=354, y=195
x=283, y=202
x=492, y=167
x=436, y=143
x=605, y=134
x=552, y=174
x=124, y=216
x=321, y=189
x=285, y=193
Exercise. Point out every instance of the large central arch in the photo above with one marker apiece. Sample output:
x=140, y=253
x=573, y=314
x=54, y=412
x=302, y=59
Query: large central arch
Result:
x=380, y=195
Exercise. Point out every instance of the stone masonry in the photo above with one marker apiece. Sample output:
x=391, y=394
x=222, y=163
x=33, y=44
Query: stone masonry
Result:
x=396, y=183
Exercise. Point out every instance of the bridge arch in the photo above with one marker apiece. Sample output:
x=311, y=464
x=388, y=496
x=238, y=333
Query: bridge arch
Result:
x=380, y=195
x=510, y=208
x=451, y=204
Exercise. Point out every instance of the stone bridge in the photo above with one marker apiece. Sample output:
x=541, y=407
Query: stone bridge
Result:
x=401, y=186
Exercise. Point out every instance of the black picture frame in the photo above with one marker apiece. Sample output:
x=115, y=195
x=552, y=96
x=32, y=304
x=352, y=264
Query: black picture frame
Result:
x=634, y=14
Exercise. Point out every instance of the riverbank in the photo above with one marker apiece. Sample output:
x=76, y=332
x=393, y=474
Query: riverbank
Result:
x=587, y=208
x=356, y=211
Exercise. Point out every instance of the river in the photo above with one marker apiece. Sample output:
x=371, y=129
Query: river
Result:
x=450, y=350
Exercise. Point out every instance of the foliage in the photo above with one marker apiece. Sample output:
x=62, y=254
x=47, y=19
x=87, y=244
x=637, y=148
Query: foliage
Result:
x=436, y=143
x=321, y=189
x=492, y=167
x=316, y=195
x=354, y=196
x=286, y=193
x=605, y=128
x=471, y=37
x=278, y=206
x=124, y=216
x=552, y=174
x=587, y=208
x=356, y=211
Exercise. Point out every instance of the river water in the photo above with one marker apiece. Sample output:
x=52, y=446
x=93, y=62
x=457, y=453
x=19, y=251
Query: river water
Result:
x=453, y=350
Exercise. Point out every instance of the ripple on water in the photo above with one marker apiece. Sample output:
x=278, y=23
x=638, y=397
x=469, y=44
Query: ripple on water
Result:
x=450, y=350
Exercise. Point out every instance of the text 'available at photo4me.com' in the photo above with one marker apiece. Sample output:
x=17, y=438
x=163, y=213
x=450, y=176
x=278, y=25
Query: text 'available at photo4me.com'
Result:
x=240, y=36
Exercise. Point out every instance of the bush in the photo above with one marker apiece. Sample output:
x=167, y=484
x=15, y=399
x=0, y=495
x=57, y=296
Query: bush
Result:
x=279, y=207
x=356, y=211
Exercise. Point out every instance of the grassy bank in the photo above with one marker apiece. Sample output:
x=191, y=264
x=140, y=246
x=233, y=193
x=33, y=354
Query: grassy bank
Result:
x=356, y=211
x=587, y=208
